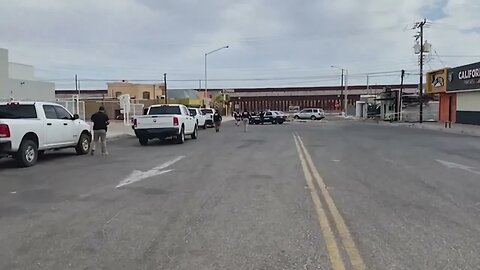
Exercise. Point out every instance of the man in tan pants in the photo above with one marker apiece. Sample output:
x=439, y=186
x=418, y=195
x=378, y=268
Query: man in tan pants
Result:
x=100, y=122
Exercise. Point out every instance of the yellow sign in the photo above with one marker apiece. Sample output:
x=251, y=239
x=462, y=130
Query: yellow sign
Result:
x=437, y=81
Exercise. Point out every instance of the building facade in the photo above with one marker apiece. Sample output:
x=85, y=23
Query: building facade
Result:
x=17, y=81
x=136, y=90
x=463, y=88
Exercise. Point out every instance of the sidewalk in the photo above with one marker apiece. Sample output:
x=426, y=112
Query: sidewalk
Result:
x=472, y=130
x=117, y=129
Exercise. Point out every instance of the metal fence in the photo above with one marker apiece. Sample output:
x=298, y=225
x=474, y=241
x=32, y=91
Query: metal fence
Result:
x=74, y=105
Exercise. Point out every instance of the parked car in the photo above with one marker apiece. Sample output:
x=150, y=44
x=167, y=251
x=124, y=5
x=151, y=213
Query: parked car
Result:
x=268, y=117
x=29, y=128
x=209, y=116
x=200, y=117
x=165, y=121
x=282, y=115
x=313, y=113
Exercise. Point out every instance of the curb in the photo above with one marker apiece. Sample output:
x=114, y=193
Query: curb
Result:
x=439, y=129
x=119, y=137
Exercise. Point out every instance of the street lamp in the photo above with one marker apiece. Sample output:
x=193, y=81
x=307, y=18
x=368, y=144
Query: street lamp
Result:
x=345, y=102
x=206, y=54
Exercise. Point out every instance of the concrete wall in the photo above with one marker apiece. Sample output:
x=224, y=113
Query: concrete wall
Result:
x=3, y=69
x=21, y=85
x=135, y=90
x=29, y=90
x=21, y=71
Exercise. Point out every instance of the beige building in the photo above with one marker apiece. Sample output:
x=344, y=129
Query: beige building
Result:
x=137, y=90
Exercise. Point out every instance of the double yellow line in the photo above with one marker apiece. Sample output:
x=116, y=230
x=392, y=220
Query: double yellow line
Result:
x=328, y=226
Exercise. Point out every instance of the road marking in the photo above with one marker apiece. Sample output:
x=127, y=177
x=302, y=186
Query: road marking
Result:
x=452, y=165
x=345, y=235
x=332, y=247
x=137, y=175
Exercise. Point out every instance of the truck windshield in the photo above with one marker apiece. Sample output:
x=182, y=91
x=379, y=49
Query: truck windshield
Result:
x=13, y=111
x=164, y=110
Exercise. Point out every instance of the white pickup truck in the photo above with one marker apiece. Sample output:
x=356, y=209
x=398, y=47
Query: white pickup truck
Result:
x=165, y=121
x=200, y=117
x=28, y=129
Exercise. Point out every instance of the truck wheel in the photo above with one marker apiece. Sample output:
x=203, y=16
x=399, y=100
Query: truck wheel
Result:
x=27, y=154
x=143, y=141
x=204, y=126
x=313, y=117
x=296, y=117
x=181, y=136
x=83, y=145
x=195, y=133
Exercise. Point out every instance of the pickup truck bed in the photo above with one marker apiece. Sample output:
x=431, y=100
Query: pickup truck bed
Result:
x=165, y=121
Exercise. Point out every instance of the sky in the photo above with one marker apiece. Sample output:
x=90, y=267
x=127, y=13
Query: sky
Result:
x=276, y=43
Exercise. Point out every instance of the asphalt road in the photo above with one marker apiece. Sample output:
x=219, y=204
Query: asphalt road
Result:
x=340, y=194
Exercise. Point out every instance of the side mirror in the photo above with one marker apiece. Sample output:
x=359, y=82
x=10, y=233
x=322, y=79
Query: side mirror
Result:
x=76, y=116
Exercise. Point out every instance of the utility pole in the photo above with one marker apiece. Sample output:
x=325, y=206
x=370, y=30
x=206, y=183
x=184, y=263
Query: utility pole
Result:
x=400, y=95
x=165, y=85
x=368, y=84
x=420, y=25
x=76, y=84
x=346, y=92
x=341, y=91
x=77, y=102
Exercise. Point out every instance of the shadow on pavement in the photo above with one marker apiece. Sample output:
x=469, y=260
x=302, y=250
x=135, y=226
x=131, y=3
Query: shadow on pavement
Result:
x=10, y=163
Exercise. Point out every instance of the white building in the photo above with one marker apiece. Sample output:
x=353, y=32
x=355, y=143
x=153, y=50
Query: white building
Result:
x=18, y=81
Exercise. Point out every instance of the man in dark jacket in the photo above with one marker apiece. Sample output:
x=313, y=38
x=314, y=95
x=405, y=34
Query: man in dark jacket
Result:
x=245, y=119
x=100, y=122
x=217, y=120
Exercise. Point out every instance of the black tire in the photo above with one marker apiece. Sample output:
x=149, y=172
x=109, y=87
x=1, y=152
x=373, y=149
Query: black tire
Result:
x=83, y=145
x=27, y=153
x=204, y=126
x=296, y=117
x=274, y=122
x=313, y=117
x=195, y=133
x=181, y=137
x=281, y=122
x=143, y=141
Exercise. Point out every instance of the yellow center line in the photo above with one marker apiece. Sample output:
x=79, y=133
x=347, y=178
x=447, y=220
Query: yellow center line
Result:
x=345, y=235
x=332, y=248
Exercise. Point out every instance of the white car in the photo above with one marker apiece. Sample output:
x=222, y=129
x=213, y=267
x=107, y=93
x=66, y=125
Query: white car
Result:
x=29, y=128
x=165, y=121
x=209, y=114
x=312, y=113
x=199, y=116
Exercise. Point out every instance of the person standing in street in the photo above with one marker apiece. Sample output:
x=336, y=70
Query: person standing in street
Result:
x=236, y=114
x=100, y=122
x=245, y=120
x=217, y=120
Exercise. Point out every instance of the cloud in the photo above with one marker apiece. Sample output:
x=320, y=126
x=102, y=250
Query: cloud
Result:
x=142, y=39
